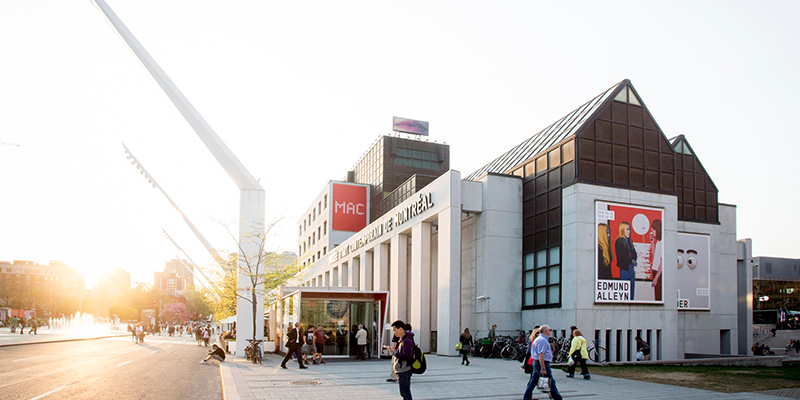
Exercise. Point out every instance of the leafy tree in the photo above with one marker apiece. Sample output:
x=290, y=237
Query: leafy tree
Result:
x=197, y=301
x=261, y=268
x=174, y=312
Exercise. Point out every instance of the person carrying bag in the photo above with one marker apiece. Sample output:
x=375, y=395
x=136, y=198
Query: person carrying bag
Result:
x=578, y=355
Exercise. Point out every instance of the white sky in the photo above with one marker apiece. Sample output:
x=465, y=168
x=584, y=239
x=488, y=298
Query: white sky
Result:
x=300, y=90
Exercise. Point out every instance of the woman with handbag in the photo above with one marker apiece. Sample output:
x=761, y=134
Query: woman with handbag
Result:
x=578, y=355
x=465, y=340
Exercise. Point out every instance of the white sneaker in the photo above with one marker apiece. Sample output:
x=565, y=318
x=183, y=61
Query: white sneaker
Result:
x=203, y=362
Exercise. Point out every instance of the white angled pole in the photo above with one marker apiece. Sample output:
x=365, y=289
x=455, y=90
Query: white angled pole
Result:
x=252, y=196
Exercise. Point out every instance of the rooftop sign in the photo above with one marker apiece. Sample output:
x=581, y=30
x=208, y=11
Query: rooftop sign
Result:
x=409, y=126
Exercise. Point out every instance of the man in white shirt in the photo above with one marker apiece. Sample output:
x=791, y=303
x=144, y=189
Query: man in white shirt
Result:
x=361, y=338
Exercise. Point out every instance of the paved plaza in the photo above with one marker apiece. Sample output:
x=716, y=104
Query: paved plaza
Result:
x=445, y=379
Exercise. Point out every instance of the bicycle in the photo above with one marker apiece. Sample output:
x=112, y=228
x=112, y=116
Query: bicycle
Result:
x=253, y=351
x=597, y=353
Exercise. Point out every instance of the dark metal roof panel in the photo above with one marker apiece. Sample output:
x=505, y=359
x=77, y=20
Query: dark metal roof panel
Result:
x=560, y=130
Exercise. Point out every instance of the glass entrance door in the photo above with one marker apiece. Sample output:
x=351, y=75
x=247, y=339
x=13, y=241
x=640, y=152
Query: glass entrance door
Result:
x=363, y=313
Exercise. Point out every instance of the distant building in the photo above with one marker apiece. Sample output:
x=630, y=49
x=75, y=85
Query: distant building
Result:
x=776, y=291
x=176, y=277
x=26, y=284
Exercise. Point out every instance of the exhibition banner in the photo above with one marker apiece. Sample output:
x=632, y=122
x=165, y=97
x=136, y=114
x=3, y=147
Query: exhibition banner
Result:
x=693, y=272
x=630, y=254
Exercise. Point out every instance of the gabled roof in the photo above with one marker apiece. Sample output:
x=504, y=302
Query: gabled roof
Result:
x=682, y=146
x=565, y=127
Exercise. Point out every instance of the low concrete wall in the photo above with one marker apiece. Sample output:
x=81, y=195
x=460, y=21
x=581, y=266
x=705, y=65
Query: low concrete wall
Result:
x=761, y=361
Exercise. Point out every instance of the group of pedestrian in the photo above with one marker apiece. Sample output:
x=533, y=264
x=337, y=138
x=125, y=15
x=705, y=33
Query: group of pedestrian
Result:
x=541, y=355
x=202, y=334
x=301, y=345
x=21, y=323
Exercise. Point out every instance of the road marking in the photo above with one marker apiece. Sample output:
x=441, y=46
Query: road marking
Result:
x=29, y=358
x=129, y=361
x=169, y=346
x=154, y=352
x=49, y=393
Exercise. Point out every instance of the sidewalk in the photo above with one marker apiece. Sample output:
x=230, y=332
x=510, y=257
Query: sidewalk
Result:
x=445, y=379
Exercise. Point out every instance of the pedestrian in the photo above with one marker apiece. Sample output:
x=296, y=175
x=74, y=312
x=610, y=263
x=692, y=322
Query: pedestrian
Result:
x=216, y=353
x=466, y=345
x=578, y=355
x=293, y=343
x=198, y=335
x=644, y=347
x=341, y=340
x=34, y=325
x=308, y=345
x=542, y=356
x=395, y=342
x=492, y=333
x=319, y=344
x=206, y=335
x=21, y=325
x=139, y=333
x=403, y=356
x=361, y=338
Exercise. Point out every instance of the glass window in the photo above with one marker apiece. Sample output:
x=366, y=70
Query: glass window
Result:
x=528, y=278
x=568, y=150
x=632, y=97
x=518, y=172
x=554, y=157
x=528, y=262
x=528, y=297
x=553, y=275
x=552, y=294
x=541, y=296
x=622, y=96
x=541, y=258
x=554, y=256
x=529, y=169
x=541, y=164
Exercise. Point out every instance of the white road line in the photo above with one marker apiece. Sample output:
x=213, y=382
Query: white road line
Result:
x=154, y=352
x=29, y=358
x=49, y=393
x=129, y=361
x=169, y=346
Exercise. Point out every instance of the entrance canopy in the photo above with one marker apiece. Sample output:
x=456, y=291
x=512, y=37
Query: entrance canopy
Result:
x=339, y=310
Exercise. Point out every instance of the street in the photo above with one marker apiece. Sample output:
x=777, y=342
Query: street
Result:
x=163, y=367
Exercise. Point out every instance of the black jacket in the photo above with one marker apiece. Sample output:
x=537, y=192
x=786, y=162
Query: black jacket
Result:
x=291, y=338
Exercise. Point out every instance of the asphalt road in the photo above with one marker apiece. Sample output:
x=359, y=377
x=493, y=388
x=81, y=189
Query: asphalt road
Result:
x=162, y=368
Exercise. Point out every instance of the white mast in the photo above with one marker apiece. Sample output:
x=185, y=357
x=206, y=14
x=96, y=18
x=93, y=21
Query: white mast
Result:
x=252, y=197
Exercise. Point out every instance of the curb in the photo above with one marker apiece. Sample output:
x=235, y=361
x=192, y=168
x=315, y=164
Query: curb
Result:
x=229, y=390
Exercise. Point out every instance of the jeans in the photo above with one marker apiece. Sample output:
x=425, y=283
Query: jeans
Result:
x=404, y=381
x=629, y=275
x=535, y=379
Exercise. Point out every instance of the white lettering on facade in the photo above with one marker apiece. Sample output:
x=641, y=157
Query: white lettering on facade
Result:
x=613, y=291
x=423, y=203
x=348, y=208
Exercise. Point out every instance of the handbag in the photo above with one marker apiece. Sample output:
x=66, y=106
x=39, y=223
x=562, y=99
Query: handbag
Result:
x=458, y=346
x=304, y=349
x=544, y=384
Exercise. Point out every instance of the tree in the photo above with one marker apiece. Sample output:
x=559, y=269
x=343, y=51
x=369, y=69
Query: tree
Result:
x=197, y=301
x=262, y=268
x=174, y=312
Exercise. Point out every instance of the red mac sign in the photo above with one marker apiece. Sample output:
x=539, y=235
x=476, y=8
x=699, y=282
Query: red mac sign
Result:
x=349, y=208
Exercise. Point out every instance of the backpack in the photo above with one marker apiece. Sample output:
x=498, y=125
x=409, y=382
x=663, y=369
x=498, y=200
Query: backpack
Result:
x=419, y=365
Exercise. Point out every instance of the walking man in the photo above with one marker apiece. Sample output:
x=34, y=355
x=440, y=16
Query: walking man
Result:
x=319, y=344
x=293, y=343
x=541, y=364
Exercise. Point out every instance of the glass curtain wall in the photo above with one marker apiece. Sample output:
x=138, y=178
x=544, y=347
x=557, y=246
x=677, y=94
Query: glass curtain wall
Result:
x=340, y=320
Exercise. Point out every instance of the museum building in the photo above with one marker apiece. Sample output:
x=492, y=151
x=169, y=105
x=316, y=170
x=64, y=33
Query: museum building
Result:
x=598, y=221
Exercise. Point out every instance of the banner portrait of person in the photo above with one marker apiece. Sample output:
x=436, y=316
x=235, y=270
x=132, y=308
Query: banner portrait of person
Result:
x=630, y=254
x=693, y=272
